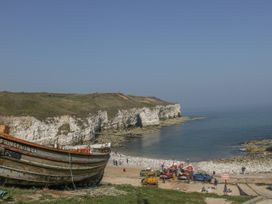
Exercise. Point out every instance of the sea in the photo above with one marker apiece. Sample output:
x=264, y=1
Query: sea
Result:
x=218, y=135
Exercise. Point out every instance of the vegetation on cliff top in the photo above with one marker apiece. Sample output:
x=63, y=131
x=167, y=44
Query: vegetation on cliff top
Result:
x=42, y=105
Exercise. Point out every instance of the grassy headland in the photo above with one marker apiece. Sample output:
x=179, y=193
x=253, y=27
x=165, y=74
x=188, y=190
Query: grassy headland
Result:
x=112, y=194
x=43, y=105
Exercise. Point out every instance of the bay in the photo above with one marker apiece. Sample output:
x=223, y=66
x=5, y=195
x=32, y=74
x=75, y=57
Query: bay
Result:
x=217, y=136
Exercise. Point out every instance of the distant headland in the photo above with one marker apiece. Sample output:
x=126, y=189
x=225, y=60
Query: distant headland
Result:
x=73, y=119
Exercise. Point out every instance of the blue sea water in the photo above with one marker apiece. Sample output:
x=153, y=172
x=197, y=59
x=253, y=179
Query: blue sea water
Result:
x=219, y=135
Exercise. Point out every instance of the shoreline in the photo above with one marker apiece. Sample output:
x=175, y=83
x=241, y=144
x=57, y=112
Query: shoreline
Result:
x=254, y=163
x=231, y=165
x=256, y=160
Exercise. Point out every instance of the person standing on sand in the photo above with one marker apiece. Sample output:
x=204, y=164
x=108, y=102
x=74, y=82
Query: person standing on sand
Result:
x=243, y=170
x=215, y=182
x=225, y=191
x=162, y=166
x=203, y=190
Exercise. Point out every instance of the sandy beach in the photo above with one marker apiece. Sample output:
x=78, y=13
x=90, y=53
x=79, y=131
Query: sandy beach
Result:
x=257, y=176
x=115, y=175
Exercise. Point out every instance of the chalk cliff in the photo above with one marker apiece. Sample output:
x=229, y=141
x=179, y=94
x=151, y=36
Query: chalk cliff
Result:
x=71, y=130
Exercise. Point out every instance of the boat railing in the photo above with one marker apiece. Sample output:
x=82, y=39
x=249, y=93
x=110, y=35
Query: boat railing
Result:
x=89, y=149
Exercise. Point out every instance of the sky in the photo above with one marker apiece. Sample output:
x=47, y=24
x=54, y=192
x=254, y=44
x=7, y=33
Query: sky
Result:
x=202, y=54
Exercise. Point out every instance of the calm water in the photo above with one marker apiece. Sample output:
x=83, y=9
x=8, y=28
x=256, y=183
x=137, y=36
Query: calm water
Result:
x=217, y=136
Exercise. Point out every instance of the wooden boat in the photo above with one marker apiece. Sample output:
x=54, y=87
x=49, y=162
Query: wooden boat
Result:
x=25, y=163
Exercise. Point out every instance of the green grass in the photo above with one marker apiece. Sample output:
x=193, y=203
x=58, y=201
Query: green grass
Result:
x=43, y=105
x=134, y=195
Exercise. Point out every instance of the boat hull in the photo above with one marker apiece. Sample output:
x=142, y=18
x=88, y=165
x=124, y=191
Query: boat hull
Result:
x=27, y=164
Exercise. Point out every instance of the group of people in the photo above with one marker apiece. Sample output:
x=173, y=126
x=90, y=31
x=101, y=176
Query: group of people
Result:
x=226, y=190
x=115, y=162
x=118, y=162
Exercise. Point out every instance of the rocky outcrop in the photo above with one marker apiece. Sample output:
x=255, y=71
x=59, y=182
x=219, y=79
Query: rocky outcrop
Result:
x=69, y=130
x=169, y=111
x=141, y=117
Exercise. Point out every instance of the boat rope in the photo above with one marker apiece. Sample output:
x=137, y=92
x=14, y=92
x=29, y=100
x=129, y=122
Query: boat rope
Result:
x=71, y=172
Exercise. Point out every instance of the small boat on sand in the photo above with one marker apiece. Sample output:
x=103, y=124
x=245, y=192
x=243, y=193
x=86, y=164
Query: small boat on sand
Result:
x=24, y=163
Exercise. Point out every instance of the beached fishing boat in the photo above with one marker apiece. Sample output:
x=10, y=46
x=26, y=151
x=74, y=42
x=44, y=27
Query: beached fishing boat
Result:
x=28, y=164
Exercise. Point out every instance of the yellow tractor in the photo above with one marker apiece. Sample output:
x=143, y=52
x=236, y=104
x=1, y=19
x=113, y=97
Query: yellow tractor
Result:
x=150, y=180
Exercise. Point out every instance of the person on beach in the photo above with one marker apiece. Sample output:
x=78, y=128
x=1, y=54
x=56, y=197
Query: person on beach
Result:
x=215, y=183
x=243, y=170
x=162, y=166
x=127, y=160
x=225, y=191
x=203, y=190
x=163, y=179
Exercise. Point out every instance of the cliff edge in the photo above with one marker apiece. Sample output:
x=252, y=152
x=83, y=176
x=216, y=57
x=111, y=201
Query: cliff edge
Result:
x=72, y=119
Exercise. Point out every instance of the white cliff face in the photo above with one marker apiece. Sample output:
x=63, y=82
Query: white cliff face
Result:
x=169, y=111
x=124, y=119
x=149, y=117
x=137, y=117
x=69, y=130
x=63, y=130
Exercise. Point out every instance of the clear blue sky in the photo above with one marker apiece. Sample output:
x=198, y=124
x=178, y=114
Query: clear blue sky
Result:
x=199, y=53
